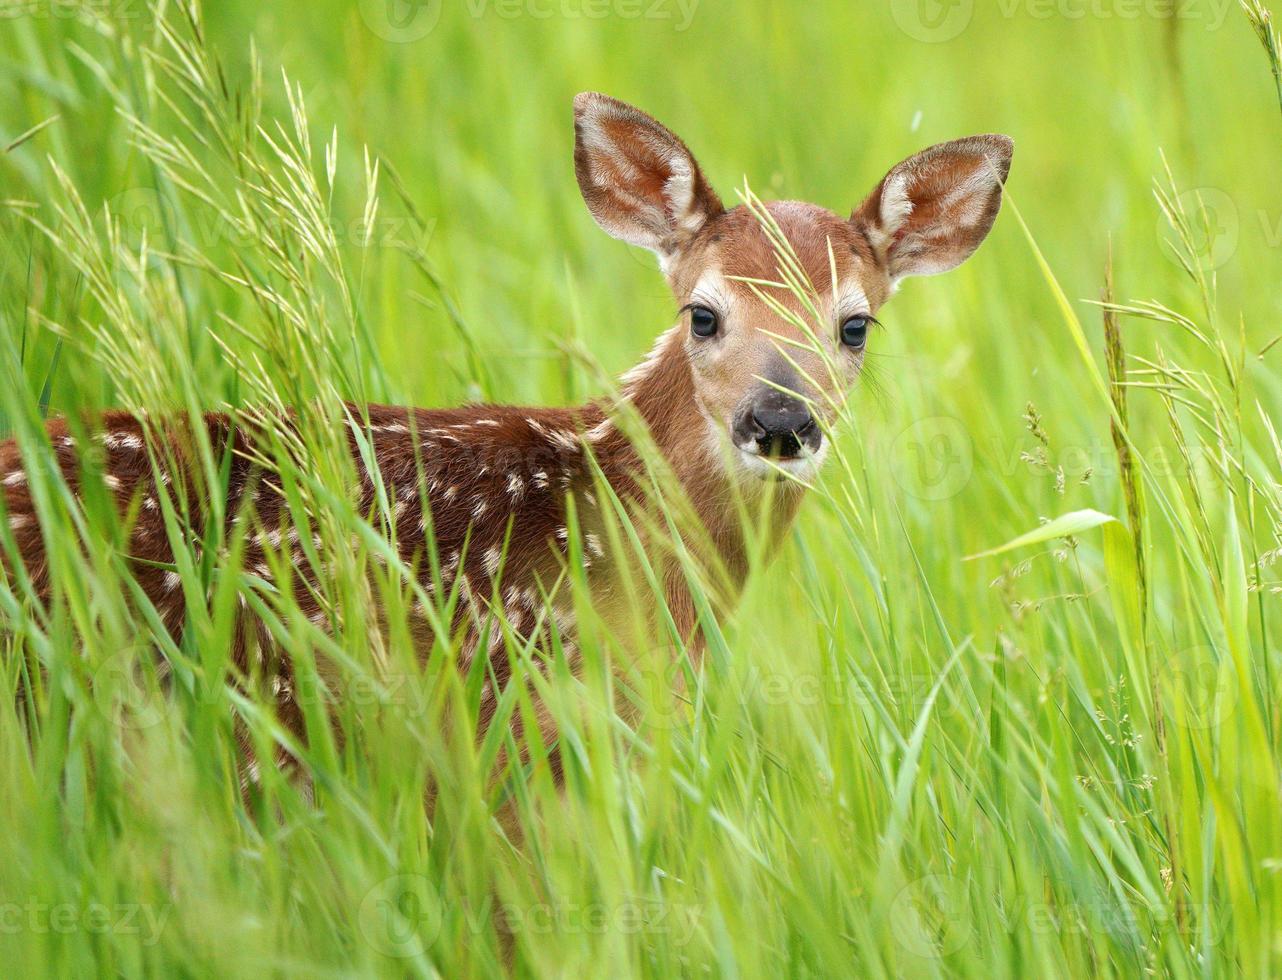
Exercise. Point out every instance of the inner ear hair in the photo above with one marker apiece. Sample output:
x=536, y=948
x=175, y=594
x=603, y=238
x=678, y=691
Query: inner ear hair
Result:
x=930, y=212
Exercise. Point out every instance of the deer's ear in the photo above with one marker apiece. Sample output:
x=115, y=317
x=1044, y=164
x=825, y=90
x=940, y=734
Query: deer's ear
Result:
x=931, y=211
x=639, y=180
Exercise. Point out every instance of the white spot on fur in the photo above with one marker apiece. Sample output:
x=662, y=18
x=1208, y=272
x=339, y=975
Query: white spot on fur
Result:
x=564, y=619
x=515, y=616
x=492, y=558
x=172, y=581
x=566, y=441
x=19, y=521
x=122, y=440
x=496, y=633
x=15, y=479
x=515, y=485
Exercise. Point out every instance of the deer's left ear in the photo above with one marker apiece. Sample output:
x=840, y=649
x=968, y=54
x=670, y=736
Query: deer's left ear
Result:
x=931, y=211
x=639, y=180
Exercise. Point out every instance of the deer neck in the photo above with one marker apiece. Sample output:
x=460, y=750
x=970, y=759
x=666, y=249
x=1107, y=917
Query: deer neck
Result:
x=662, y=391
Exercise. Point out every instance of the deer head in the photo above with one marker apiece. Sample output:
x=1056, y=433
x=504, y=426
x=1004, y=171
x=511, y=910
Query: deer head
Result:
x=767, y=378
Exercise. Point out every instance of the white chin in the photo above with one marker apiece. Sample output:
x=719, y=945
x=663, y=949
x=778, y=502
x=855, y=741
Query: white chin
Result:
x=804, y=467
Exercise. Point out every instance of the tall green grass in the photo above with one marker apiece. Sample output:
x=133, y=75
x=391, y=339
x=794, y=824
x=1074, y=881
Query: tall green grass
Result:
x=1005, y=703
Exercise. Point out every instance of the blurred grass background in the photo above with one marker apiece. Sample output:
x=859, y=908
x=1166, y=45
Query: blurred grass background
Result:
x=908, y=763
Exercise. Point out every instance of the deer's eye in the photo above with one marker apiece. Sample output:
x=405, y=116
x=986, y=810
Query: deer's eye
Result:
x=703, y=322
x=854, y=332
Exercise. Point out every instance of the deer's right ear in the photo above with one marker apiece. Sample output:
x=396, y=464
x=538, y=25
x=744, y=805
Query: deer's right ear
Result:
x=639, y=180
x=932, y=211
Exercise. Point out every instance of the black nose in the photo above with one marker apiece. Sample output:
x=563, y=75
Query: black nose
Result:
x=780, y=425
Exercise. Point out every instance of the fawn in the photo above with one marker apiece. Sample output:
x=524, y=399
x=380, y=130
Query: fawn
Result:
x=735, y=396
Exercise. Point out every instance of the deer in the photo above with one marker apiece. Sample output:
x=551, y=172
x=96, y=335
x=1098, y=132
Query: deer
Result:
x=736, y=400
